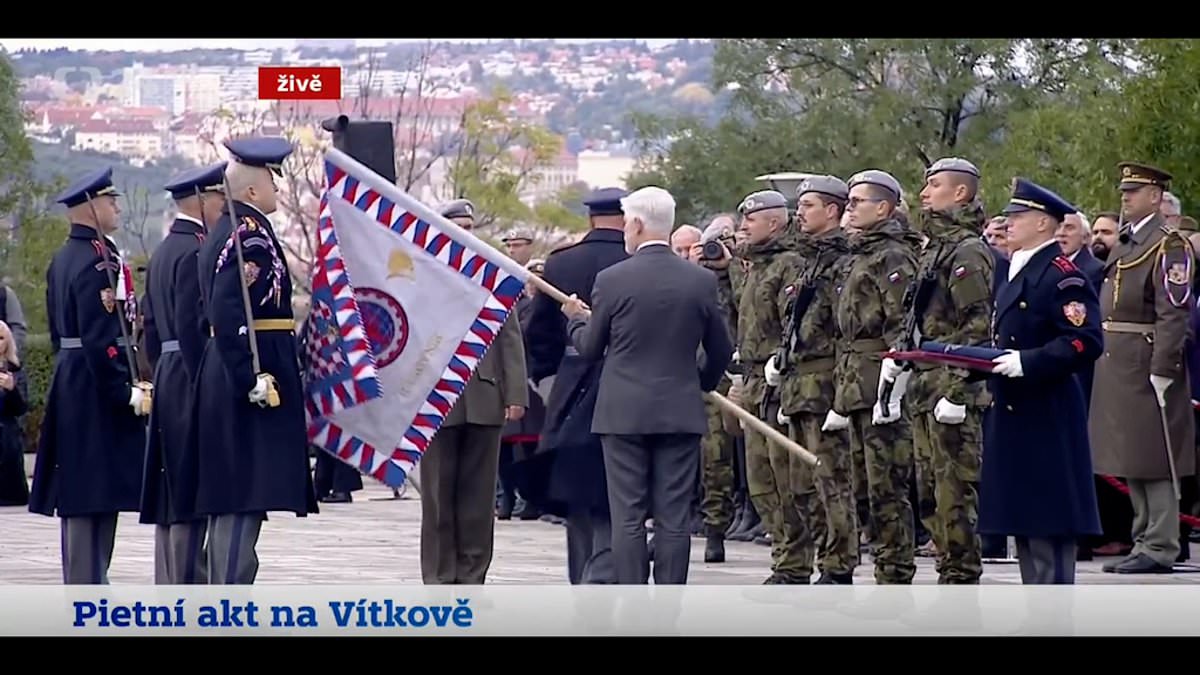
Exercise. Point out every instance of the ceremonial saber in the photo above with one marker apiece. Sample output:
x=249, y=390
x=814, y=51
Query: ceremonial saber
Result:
x=373, y=180
x=147, y=404
x=1162, y=415
x=272, y=399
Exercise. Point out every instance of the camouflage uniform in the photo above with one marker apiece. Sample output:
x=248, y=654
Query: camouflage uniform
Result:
x=771, y=472
x=959, y=311
x=716, y=503
x=869, y=313
x=806, y=393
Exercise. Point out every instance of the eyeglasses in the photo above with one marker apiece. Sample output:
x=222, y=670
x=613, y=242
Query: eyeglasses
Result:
x=855, y=201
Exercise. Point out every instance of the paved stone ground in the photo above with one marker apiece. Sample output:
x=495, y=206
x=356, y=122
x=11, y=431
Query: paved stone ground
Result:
x=374, y=541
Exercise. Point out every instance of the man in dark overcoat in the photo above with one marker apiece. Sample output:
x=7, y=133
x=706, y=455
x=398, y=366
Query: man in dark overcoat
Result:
x=1036, y=471
x=566, y=477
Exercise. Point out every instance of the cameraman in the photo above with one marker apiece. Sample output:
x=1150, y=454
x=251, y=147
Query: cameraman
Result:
x=712, y=250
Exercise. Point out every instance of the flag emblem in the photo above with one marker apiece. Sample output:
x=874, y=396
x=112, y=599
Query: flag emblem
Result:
x=404, y=306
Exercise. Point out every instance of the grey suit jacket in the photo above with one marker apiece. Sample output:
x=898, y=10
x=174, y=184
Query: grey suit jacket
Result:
x=652, y=313
x=498, y=381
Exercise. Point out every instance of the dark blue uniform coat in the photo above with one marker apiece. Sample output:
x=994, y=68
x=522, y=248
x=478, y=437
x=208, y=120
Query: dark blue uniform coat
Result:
x=92, y=443
x=251, y=458
x=1093, y=269
x=568, y=469
x=1036, y=476
x=172, y=312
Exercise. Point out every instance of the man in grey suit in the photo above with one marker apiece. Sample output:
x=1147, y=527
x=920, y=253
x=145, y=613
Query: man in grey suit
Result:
x=652, y=314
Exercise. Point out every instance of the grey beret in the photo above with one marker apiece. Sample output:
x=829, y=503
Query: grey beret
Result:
x=952, y=164
x=882, y=179
x=761, y=201
x=459, y=208
x=517, y=234
x=827, y=185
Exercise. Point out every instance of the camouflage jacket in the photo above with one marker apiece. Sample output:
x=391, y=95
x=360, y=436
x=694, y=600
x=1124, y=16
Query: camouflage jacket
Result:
x=762, y=304
x=807, y=382
x=958, y=264
x=870, y=309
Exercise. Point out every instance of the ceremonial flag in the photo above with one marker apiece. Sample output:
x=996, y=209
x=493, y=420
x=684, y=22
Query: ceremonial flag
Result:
x=960, y=356
x=404, y=305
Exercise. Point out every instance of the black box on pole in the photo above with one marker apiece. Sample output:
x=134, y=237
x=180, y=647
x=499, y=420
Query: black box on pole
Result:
x=371, y=142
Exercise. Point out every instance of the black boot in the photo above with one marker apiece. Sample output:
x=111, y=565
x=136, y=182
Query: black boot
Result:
x=739, y=510
x=749, y=521
x=842, y=579
x=714, y=549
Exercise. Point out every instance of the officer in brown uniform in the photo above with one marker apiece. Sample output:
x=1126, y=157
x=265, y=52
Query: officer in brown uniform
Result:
x=1141, y=426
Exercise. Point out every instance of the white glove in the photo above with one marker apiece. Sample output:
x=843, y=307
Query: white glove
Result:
x=259, y=393
x=835, y=422
x=946, y=412
x=771, y=372
x=136, y=396
x=889, y=370
x=783, y=419
x=1008, y=363
x=882, y=415
x=543, y=387
x=1160, y=384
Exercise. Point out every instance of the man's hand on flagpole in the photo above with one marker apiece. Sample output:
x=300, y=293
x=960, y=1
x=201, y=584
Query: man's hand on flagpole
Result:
x=575, y=308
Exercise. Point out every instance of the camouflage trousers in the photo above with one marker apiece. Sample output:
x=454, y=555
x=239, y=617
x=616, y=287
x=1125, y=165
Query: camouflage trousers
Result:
x=716, y=473
x=948, y=458
x=833, y=513
x=772, y=473
x=884, y=453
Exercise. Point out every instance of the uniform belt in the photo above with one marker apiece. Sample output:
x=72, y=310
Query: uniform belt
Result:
x=865, y=345
x=169, y=346
x=267, y=325
x=1128, y=327
x=822, y=365
x=77, y=343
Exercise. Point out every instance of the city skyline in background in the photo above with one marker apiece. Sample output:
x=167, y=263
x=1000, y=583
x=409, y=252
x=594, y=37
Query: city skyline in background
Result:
x=249, y=44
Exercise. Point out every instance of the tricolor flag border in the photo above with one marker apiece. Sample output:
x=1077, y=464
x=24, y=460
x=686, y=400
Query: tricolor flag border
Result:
x=390, y=207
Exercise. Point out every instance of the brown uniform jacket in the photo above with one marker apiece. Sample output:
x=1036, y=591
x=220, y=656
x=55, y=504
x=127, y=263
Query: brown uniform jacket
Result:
x=1144, y=333
x=498, y=381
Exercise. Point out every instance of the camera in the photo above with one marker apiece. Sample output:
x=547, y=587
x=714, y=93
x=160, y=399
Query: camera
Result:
x=712, y=250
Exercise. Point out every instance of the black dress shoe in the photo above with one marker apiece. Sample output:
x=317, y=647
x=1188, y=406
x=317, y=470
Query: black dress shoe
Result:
x=714, y=549
x=338, y=498
x=1142, y=564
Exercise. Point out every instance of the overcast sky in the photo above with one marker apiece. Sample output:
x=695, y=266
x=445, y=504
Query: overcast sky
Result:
x=161, y=44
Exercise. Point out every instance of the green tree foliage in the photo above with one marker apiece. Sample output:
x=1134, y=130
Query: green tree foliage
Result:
x=1052, y=110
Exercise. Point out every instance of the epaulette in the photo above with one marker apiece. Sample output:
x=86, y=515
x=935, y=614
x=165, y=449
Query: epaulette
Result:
x=1064, y=264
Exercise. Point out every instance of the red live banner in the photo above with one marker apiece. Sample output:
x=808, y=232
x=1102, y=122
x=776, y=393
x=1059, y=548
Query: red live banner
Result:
x=299, y=83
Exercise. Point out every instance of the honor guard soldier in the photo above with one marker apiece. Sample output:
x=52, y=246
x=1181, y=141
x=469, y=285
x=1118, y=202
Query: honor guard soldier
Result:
x=775, y=478
x=949, y=301
x=567, y=476
x=1047, y=319
x=1141, y=425
x=807, y=359
x=93, y=437
x=870, y=311
x=176, y=332
x=250, y=421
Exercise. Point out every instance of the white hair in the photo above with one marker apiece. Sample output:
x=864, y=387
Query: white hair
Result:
x=688, y=230
x=654, y=206
x=1083, y=221
x=1172, y=200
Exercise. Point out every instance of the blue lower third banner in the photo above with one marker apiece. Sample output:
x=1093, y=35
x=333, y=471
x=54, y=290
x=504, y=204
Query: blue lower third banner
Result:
x=599, y=611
